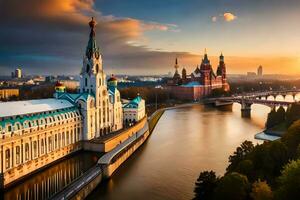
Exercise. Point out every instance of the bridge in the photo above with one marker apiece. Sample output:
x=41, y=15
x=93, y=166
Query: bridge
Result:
x=246, y=100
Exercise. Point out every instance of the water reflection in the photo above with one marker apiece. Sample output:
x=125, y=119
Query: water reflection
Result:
x=46, y=183
x=184, y=142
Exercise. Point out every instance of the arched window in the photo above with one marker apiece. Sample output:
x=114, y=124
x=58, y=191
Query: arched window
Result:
x=55, y=141
x=59, y=139
x=71, y=136
x=9, y=128
x=97, y=68
x=34, y=149
x=18, y=155
x=42, y=146
x=67, y=138
x=26, y=151
x=85, y=82
x=17, y=126
x=87, y=68
x=49, y=143
x=63, y=139
x=7, y=158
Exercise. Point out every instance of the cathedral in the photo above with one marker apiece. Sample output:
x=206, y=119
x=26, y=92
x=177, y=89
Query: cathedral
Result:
x=201, y=82
x=35, y=133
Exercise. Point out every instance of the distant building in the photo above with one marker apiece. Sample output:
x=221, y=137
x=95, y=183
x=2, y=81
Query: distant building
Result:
x=260, y=71
x=251, y=74
x=134, y=110
x=17, y=73
x=199, y=83
x=6, y=93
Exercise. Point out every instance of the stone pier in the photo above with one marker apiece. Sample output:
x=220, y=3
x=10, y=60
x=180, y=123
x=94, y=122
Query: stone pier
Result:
x=246, y=110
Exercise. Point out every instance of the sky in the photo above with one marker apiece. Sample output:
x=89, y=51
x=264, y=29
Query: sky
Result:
x=144, y=37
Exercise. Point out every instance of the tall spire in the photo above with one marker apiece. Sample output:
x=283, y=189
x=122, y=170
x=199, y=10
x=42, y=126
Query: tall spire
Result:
x=205, y=59
x=176, y=64
x=92, y=46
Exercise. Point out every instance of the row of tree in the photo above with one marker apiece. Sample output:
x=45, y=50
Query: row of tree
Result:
x=281, y=116
x=263, y=172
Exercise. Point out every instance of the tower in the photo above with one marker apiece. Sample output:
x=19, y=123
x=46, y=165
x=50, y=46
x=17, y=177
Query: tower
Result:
x=221, y=71
x=93, y=82
x=260, y=71
x=183, y=75
x=205, y=70
x=176, y=77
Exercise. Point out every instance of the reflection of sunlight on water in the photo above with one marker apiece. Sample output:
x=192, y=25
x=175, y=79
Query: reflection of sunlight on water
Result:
x=259, y=113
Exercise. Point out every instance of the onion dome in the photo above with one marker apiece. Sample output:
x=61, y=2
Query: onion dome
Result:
x=112, y=81
x=59, y=87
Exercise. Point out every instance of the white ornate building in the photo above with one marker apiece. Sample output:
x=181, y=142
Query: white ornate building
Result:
x=134, y=110
x=37, y=132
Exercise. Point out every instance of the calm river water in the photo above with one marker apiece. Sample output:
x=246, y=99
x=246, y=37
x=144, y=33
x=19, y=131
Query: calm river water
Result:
x=185, y=142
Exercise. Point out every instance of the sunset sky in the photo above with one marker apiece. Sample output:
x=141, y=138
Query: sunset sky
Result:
x=144, y=37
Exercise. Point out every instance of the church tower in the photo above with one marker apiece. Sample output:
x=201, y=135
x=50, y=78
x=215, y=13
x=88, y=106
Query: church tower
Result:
x=93, y=82
x=221, y=71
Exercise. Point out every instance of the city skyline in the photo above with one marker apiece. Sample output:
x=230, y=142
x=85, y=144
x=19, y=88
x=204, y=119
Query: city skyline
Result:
x=140, y=37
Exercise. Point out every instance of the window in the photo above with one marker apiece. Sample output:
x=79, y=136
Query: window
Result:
x=42, y=146
x=67, y=138
x=63, y=139
x=26, y=152
x=87, y=68
x=55, y=141
x=7, y=158
x=50, y=143
x=59, y=136
x=71, y=136
x=85, y=82
x=34, y=149
x=9, y=128
x=18, y=155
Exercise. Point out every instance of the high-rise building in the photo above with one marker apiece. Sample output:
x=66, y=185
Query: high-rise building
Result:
x=260, y=71
x=17, y=73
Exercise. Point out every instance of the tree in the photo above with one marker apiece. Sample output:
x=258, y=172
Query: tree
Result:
x=271, y=120
x=261, y=191
x=240, y=153
x=280, y=114
x=245, y=167
x=292, y=138
x=205, y=185
x=289, y=182
x=233, y=186
x=292, y=114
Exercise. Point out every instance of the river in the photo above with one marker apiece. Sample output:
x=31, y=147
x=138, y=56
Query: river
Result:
x=185, y=142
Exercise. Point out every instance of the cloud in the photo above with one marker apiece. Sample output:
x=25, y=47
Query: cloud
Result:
x=50, y=36
x=228, y=17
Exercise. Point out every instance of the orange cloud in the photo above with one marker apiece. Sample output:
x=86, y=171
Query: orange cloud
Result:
x=228, y=17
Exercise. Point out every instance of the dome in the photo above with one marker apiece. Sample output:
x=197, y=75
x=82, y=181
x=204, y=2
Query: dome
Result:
x=112, y=81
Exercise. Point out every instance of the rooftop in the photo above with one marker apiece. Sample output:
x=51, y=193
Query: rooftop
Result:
x=14, y=108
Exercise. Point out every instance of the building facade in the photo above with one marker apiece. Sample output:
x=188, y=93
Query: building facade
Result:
x=35, y=133
x=201, y=82
x=134, y=110
x=7, y=93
